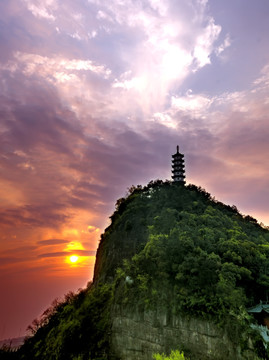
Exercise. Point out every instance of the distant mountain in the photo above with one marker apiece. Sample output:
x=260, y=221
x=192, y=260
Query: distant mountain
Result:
x=176, y=269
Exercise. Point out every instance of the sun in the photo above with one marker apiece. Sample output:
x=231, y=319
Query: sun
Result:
x=73, y=259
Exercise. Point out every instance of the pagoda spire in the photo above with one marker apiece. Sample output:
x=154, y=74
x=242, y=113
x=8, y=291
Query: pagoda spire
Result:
x=178, y=167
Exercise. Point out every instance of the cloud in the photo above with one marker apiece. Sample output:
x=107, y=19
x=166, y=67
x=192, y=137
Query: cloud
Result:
x=59, y=68
x=4, y=261
x=169, y=49
x=52, y=242
x=226, y=43
x=30, y=215
x=194, y=105
x=65, y=253
x=92, y=228
x=152, y=48
x=204, y=44
x=42, y=9
x=262, y=82
x=155, y=45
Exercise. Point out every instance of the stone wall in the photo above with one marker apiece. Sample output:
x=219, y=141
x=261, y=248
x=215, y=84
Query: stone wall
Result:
x=137, y=335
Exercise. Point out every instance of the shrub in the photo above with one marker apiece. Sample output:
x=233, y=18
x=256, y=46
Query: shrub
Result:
x=175, y=355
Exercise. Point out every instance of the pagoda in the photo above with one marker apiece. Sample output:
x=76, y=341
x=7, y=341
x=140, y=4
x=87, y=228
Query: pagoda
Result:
x=178, y=170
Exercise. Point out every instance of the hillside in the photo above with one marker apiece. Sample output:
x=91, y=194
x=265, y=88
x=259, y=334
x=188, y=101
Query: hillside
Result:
x=173, y=258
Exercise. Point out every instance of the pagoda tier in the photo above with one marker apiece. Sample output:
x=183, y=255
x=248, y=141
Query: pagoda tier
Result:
x=178, y=159
x=178, y=172
x=178, y=167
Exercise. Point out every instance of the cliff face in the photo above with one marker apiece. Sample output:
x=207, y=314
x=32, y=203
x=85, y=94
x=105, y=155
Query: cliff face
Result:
x=136, y=336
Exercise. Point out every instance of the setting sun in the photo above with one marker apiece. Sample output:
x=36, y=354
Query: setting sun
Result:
x=73, y=258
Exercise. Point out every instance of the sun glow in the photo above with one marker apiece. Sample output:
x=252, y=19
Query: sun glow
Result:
x=73, y=259
x=74, y=245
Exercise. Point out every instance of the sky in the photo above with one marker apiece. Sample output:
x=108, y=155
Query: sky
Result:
x=94, y=97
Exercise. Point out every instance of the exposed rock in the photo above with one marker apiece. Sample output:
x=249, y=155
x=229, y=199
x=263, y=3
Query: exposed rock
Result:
x=137, y=335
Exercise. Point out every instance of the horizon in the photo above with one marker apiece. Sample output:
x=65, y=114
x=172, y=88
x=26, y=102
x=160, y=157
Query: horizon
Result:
x=95, y=98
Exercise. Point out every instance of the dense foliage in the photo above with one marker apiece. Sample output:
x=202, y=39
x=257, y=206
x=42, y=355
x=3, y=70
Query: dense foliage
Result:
x=168, y=246
x=182, y=246
x=175, y=355
x=76, y=328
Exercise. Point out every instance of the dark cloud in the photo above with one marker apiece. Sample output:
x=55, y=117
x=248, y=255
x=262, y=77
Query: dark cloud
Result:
x=34, y=216
x=37, y=120
x=53, y=254
x=52, y=242
x=67, y=253
x=20, y=249
x=13, y=260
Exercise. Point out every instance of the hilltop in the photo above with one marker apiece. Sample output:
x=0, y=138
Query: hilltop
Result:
x=176, y=268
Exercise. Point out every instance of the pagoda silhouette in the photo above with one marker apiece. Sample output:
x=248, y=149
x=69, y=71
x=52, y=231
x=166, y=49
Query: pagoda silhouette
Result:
x=178, y=167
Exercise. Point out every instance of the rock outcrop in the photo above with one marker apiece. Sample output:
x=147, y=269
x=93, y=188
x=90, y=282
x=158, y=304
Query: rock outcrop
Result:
x=138, y=335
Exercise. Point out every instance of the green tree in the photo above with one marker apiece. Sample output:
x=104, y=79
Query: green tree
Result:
x=175, y=355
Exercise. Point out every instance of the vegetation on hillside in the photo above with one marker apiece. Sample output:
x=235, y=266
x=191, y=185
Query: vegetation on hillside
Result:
x=73, y=329
x=175, y=355
x=169, y=246
x=180, y=245
x=189, y=253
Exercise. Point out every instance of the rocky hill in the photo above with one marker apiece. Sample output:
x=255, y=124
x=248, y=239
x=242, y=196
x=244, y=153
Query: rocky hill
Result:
x=176, y=269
